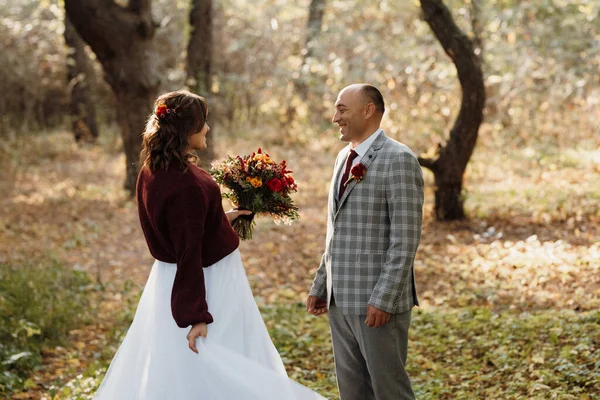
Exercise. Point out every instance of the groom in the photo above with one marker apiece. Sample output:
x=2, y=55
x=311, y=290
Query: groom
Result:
x=366, y=278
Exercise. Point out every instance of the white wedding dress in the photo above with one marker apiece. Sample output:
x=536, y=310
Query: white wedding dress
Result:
x=236, y=361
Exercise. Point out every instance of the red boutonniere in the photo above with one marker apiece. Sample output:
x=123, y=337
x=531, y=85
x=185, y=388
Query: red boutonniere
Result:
x=357, y=173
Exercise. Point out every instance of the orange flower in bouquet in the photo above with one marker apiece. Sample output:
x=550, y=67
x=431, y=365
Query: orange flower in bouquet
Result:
x=259, y=184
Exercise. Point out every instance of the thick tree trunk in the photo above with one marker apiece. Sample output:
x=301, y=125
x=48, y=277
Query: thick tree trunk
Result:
x=199, y=62
x=122, y=38
x=80, y=73
x=199, y=51
x=448, y=169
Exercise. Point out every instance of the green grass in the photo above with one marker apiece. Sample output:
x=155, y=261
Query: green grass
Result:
x=39, y=305
x=468, y=353
x=474, y=353
x=304, y=343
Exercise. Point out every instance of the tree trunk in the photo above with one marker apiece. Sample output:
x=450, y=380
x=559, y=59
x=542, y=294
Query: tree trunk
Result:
x=80, y=73
x=199, y=62
x=122, y=38
x=448, y=169
x=316, y=12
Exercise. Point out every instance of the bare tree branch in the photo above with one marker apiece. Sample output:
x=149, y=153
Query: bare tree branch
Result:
x=427, y=163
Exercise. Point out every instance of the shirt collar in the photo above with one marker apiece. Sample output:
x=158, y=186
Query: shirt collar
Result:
x=362, y=148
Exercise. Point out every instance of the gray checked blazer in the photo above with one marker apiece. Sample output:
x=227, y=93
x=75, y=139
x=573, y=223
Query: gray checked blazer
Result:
x=373, y=232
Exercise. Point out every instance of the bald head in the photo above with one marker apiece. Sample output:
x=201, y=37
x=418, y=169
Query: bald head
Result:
x=367, y=94
x=359, y=109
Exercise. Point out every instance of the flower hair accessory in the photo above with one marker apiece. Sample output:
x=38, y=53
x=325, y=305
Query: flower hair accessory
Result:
x=357, y=173
x=163, y=111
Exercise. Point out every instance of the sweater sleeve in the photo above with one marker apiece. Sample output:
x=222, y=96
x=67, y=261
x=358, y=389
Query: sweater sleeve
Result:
x=186, y=215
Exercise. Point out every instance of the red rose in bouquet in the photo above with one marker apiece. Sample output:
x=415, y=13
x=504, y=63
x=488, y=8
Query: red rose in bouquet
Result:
x=276, y=185
x=259, y=184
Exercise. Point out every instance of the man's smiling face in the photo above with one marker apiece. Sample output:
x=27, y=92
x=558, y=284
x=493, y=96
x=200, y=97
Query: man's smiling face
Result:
x=348, y=115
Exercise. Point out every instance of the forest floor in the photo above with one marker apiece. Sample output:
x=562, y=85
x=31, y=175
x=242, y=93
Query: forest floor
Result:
x=522, y=274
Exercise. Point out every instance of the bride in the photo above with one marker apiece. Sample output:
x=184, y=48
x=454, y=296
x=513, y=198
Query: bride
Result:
x=197, y=281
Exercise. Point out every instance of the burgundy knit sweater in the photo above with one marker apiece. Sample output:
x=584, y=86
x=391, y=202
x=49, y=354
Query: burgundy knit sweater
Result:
x=184, y=223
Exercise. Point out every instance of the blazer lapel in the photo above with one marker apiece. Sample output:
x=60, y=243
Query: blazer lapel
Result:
x=366, y=160
x=336, y=177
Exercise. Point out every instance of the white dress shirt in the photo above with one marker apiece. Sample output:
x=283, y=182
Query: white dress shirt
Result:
x=361, y=150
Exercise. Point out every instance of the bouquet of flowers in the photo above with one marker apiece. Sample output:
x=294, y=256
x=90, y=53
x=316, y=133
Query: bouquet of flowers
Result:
x=259, y=184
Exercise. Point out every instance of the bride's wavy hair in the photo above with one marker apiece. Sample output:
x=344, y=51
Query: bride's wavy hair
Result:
x=177, y=116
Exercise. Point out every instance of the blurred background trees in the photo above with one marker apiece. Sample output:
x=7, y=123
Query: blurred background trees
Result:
x=528, y=257
x=540, y=64
x=80, y=77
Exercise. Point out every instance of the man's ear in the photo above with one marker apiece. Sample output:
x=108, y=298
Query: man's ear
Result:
x=369, y=110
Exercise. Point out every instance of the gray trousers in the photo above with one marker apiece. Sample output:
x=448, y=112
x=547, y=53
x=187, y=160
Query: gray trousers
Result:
x=369, y=362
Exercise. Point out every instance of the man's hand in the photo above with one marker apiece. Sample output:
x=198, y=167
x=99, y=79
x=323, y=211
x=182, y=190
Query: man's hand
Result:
x=198, y=329
x=233, y=214
x=376, y=317
x=316, y=306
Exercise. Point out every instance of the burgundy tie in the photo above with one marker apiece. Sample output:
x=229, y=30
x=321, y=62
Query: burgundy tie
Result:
x=351, y=158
